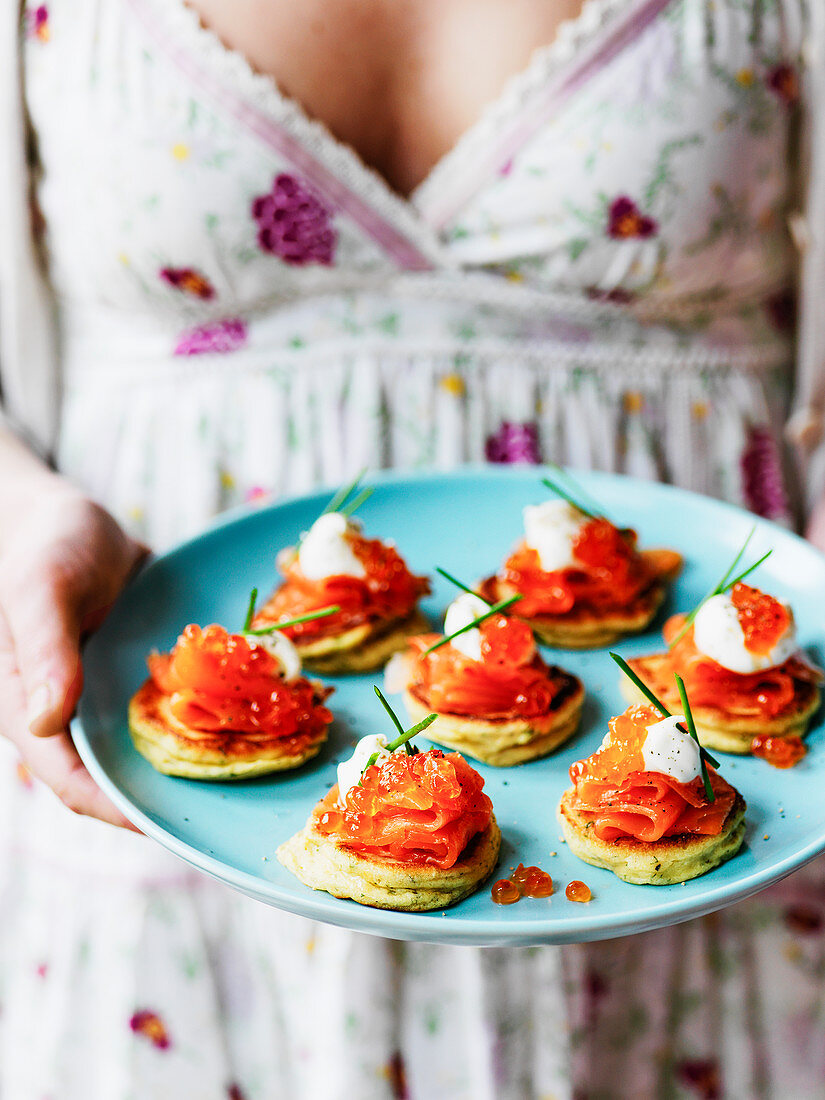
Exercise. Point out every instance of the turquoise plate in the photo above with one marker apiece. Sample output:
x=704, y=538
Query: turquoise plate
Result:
x=466, y=522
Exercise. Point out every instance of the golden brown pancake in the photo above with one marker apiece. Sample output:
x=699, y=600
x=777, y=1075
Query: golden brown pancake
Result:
x=716, y=727
x=504, y=741
x=175, y=749
x=363, y=648
x=325, y=863
x=586, y=628
x=662, y=862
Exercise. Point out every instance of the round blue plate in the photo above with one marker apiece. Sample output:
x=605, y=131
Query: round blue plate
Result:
x=466, y=522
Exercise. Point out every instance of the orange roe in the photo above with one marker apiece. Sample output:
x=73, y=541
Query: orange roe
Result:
x=577, y=891
x=505, y=892
x=611, y=574
x=779, y=752
x=449, y=682
x=506, y=641
x=532, y=882
x=388, y=591
x=763, y=619
x=617, y=797
x=424, y=808
x=767, y=693
x=218, y=681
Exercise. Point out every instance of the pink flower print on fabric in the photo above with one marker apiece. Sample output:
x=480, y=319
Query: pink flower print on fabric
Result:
x=625, y=220
x=293, y=223
x=763, y=485
x=256, y=494
x=188, y=281
x=36, y=22
x=804, y=920
x=150, y=1025
x=701, y=1077
x=514, y=443
x=784, y=83
x=217, y=338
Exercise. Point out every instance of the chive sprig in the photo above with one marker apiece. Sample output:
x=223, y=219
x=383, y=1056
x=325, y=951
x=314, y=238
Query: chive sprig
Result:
x=320, y=613
x=724, y=585
x=705, y=757
x=494, y=610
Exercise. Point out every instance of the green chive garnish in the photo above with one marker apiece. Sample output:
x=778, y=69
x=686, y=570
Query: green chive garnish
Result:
x=344, y=502
x=727, y=582
x=557, y=489
x=461, y=585
x=494, y=610
x=578, y=491
x=410, y=749
x=321, y=613
x=342, y=494
x=680, y=684
x=250, y=611
x=645, y=690
x=404, y=737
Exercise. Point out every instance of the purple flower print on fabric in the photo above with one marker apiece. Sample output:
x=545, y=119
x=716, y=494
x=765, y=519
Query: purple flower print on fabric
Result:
x=150, y=1025
x=514, y=443
x=217, y=337
x=784, y=83
x=36, y=23
x=293, y=223
x=763, y=485
x=188, y=281
x=701, y=1077
x=625, y=220
x=804, y=920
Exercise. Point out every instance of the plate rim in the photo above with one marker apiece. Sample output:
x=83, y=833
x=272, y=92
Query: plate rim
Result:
x=427, y=926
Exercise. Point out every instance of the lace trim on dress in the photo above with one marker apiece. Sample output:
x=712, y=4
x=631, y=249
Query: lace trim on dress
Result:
x=332, y=166
x=582, y=45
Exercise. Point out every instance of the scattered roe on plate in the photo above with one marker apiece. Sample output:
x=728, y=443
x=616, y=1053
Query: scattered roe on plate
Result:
x=763, y=619
x=578, y=891
x=525, y=882
x=532, y=882
x=779, y=752
x=505, y=892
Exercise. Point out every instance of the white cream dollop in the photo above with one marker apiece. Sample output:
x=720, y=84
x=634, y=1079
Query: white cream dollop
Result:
x=326, y=551
x=551, y=529
x=349, y=771
x=460, y=613
x=282, y=649
x=671, y=751
x=718, y=634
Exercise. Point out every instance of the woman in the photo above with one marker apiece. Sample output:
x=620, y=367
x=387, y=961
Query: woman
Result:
x=227, y=302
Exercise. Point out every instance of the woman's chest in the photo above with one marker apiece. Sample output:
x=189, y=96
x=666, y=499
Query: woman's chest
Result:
x=399, y=83
x=644, y=158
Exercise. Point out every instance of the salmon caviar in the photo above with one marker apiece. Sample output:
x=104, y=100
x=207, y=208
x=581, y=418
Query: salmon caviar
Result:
x=507, y=641
x=762, y=618
x=577, y=891
x=505, y=892
x=780, y=752
x=532, y=882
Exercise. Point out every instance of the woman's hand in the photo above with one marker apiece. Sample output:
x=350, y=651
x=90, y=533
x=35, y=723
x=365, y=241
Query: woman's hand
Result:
x=63, y=561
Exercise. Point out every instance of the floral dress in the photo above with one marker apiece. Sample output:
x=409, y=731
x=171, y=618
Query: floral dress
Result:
x=599, y=274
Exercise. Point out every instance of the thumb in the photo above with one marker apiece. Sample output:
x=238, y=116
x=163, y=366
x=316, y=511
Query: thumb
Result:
x=45, y=631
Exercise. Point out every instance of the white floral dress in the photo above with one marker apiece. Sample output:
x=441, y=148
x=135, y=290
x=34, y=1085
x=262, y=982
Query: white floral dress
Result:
x=598, y=274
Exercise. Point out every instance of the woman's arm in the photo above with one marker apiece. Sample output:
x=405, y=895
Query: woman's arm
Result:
x=63, y=560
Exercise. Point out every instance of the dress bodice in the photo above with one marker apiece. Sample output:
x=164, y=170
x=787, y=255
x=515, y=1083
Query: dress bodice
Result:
x=642, y=158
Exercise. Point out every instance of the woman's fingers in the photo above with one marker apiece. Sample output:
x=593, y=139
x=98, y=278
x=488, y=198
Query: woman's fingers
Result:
x=56, y=762
x=45, y=632
x=53, y=760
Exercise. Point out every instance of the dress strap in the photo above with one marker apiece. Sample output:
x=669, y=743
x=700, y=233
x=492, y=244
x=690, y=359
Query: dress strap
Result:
x=28, y=361
x=806, y=427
